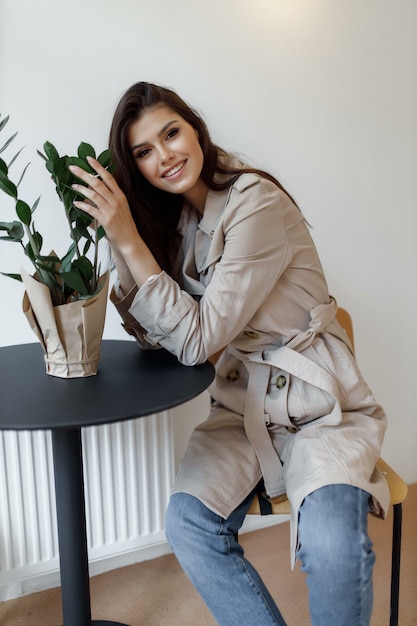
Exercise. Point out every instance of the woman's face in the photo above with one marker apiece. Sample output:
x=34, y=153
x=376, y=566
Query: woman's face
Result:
x=166, y=150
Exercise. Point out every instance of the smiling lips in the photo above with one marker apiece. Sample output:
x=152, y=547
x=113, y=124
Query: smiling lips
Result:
x=174, y=170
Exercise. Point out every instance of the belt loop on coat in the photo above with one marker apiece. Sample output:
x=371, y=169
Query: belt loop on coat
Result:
x=256, y=431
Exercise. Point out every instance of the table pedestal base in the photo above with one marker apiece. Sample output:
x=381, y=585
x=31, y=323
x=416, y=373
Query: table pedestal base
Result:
x=100, y=622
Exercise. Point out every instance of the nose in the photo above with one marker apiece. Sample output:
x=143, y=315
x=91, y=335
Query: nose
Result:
x=165, y=155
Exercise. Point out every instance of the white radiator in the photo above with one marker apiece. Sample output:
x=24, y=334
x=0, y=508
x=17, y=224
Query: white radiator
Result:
x=128, y=472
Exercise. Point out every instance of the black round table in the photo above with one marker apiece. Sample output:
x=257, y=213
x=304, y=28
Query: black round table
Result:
x=131, y=383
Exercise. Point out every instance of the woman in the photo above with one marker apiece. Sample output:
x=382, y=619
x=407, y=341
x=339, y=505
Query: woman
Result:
x=213, y=256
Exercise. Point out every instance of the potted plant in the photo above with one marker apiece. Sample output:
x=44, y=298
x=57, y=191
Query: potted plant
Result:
x=65, y=300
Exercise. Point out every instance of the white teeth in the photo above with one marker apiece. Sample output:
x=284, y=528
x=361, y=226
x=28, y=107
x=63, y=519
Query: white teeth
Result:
x=174, y=170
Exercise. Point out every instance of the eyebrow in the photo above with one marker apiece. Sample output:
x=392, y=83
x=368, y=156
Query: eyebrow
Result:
x=161, y=132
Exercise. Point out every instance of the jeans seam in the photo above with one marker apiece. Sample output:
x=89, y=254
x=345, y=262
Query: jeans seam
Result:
x=255, y=587
x=242, y=565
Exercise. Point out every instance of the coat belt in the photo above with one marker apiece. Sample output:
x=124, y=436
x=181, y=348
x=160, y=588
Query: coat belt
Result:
x=289, y=359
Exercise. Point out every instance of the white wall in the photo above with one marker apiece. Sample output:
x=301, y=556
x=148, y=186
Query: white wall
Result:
x=323, y=94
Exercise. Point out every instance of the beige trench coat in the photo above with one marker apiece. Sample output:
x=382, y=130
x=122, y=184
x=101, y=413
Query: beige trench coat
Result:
x=290, y=403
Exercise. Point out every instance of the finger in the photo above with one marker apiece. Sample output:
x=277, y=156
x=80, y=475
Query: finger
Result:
x=90, y=209
x=88, y=193
x=104, y=175
x=95, y=181
x=93, y=190
x=80, y=173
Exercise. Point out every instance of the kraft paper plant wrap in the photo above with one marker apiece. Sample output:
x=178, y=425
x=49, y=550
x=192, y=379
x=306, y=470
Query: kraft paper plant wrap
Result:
x=70, y=334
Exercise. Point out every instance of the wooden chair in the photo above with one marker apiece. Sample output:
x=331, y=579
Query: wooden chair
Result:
x=398, y=490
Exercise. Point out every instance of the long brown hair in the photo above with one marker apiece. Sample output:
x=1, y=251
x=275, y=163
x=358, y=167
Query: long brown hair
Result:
x=156, y=212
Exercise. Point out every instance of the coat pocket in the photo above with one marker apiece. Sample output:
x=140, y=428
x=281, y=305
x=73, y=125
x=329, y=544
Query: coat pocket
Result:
x=306, y=402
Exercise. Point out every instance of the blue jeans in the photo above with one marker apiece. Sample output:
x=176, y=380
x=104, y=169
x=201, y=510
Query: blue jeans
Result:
x=334, y=549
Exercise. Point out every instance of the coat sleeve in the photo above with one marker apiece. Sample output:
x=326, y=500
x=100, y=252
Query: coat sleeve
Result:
x=129, y=323
x=255, y=251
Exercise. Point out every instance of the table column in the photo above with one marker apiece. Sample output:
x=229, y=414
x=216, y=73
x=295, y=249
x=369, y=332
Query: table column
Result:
x=72, y=535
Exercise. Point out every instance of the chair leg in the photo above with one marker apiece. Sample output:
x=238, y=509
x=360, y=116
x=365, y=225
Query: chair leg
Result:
x=395, y=563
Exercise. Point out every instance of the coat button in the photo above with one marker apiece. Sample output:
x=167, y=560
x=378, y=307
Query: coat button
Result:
x=232, y=375
x=281, y=381
x=291, y=429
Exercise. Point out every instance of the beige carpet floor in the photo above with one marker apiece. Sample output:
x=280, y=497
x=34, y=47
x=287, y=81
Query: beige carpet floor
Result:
x=157, y=593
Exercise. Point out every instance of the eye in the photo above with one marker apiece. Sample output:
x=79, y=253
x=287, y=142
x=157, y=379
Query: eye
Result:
x=171, y=133
x=141, y=153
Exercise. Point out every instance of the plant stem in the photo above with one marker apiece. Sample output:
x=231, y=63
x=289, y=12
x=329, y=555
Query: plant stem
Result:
x=45, y=276
x=95, y=264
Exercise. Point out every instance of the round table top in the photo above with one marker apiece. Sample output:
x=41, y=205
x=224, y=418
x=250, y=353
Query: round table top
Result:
x=130, y=383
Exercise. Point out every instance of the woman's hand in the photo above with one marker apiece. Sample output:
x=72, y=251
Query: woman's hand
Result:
x=105, y=202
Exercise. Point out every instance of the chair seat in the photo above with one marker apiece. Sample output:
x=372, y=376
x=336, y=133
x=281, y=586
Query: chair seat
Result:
x=280, y=506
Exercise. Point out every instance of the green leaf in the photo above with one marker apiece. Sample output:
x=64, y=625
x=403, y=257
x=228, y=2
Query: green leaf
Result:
x=23, y=212
x=21, y=177
x=73, y=160
x=51, y=258
x=35, y=204
x=69, y=196
x=8, y=142
x=42, y=155
x=50, y=151
x=59, y=166
x=49, y=166
x=38, y=239
x=100, y=233
x=7, y=186
x=10, y=239
x=29, y=252
x=81, y=225
x=87, y=246
x=73, y=280
x=84, y=266
x=50, y=269
x=85, y=150
x=64, y=178
x=66, y=260
x=14, y=276
x=15, y=231
x=4, y=122
x=15, y=157
x=3, y=167
x=105, y=158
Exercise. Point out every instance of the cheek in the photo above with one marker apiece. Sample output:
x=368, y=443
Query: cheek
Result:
x=145, y=168
x=200, y=156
